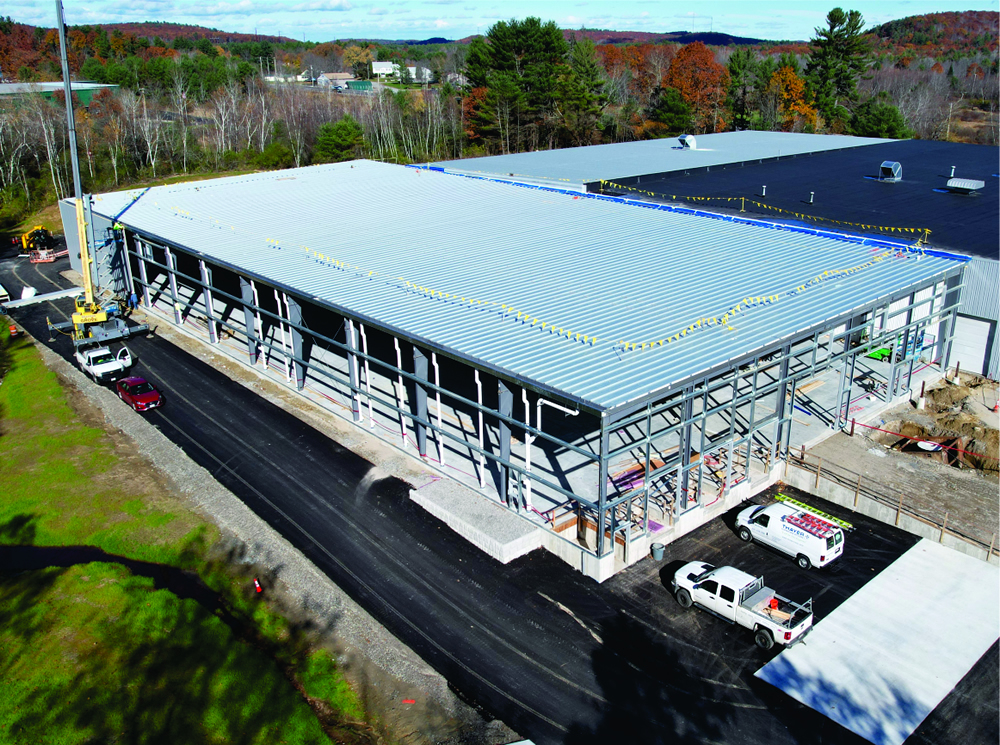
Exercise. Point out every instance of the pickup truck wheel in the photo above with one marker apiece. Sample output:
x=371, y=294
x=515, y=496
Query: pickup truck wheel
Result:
x=745, y=534
x=803, y=561
x=764, y=639
x=684, y=598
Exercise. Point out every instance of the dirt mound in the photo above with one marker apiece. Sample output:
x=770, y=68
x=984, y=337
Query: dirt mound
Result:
x=946, y=396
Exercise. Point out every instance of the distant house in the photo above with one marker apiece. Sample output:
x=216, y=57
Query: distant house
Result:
x=456, y=79
x=334, y=79
x=421, y=74
x=383, y=70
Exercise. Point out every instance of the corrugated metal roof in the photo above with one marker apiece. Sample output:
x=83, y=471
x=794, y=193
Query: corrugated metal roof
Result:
x=509, y=276
x=575, y=166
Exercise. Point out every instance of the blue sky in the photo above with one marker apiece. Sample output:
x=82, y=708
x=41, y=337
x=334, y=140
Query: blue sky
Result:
x=326, y=20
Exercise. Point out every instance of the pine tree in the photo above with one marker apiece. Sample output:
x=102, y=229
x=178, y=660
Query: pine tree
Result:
x=839, y=58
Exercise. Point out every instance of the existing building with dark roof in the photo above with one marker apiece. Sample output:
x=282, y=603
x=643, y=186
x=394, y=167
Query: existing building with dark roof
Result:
x=844, y=190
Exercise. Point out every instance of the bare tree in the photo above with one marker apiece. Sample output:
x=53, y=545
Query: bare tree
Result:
x=179, y=89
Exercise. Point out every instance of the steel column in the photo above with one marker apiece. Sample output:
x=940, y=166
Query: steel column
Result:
x=602, y=488
x=352, y=372
x=506, y=409
x=294, y=313
x=172, y=277
x=144, y=251
x=784, y=409
x=249, y=318
x=206, y=280
x=420, y=370
x=946, y=326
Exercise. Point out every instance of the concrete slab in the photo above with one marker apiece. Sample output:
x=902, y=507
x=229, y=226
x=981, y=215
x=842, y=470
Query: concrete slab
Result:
x=485, y=524
x=881, y=662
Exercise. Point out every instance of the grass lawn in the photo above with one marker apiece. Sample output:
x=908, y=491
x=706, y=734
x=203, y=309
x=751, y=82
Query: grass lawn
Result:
x=93, y=653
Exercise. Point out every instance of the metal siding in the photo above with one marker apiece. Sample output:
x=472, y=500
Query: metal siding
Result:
x=601, y=268
x=67, y=211
x=971, y=345
x=581, y=165
x=980, y=294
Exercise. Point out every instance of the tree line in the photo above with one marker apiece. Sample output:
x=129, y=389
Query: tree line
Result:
x=194, y=106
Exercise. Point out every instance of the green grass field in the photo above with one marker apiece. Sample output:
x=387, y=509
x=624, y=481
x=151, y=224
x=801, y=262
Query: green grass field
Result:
x=93, y=653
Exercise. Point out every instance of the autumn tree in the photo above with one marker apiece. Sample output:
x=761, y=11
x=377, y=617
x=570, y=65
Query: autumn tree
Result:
x=359, y=59
x=794, y=112
x=702, y=83
x=839, y=57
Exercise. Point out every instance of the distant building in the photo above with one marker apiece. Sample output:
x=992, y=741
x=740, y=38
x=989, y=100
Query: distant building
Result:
x=383, y=70
x=84, y=91
x=334, y=79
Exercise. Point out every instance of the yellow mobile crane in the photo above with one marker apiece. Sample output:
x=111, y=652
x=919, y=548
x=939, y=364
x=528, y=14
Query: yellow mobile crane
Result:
x=91, y=322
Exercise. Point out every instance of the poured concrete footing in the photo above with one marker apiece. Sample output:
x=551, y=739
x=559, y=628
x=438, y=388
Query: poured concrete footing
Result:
x=485, y=524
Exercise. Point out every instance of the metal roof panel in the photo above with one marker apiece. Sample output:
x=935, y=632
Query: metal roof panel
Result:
x=591, y=298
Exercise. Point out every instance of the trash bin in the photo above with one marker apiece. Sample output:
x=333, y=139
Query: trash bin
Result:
x=657, y=549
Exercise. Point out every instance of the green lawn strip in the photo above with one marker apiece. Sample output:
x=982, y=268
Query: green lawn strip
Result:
x=64, y=485
x=95, y=654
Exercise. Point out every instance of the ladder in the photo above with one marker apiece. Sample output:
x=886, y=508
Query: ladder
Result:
x=819, y=513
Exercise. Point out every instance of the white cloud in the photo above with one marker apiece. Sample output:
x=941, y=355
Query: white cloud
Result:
x=378, y=11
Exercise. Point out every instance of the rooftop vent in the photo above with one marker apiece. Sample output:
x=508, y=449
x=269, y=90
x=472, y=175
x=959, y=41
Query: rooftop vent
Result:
x=890, y=171
x=964, y=185
x=688, y=142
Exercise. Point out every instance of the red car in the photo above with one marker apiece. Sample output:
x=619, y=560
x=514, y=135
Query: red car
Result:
x=138, y=393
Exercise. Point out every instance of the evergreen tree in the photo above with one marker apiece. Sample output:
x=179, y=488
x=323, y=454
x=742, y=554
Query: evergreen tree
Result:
x=668, y=109
x=580, y=94
x=877, y=117
x=839, y=57
x=338, y=141
x=743, y=86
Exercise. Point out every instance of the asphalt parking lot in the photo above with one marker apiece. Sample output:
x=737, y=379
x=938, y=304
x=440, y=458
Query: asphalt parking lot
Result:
x=723, y=657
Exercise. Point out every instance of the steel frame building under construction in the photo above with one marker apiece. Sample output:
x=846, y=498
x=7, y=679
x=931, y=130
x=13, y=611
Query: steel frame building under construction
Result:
x=612, y=372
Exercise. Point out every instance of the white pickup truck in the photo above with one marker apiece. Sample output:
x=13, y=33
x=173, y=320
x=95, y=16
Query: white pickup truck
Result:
x=103, y=365
x=741, y=598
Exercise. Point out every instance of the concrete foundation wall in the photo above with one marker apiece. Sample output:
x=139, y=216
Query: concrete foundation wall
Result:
x=845, y=497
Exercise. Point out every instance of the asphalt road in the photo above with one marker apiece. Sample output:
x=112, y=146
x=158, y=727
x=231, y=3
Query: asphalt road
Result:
x=556, y=656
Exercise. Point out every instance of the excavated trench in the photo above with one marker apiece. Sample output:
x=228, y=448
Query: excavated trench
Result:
x=950, y=430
